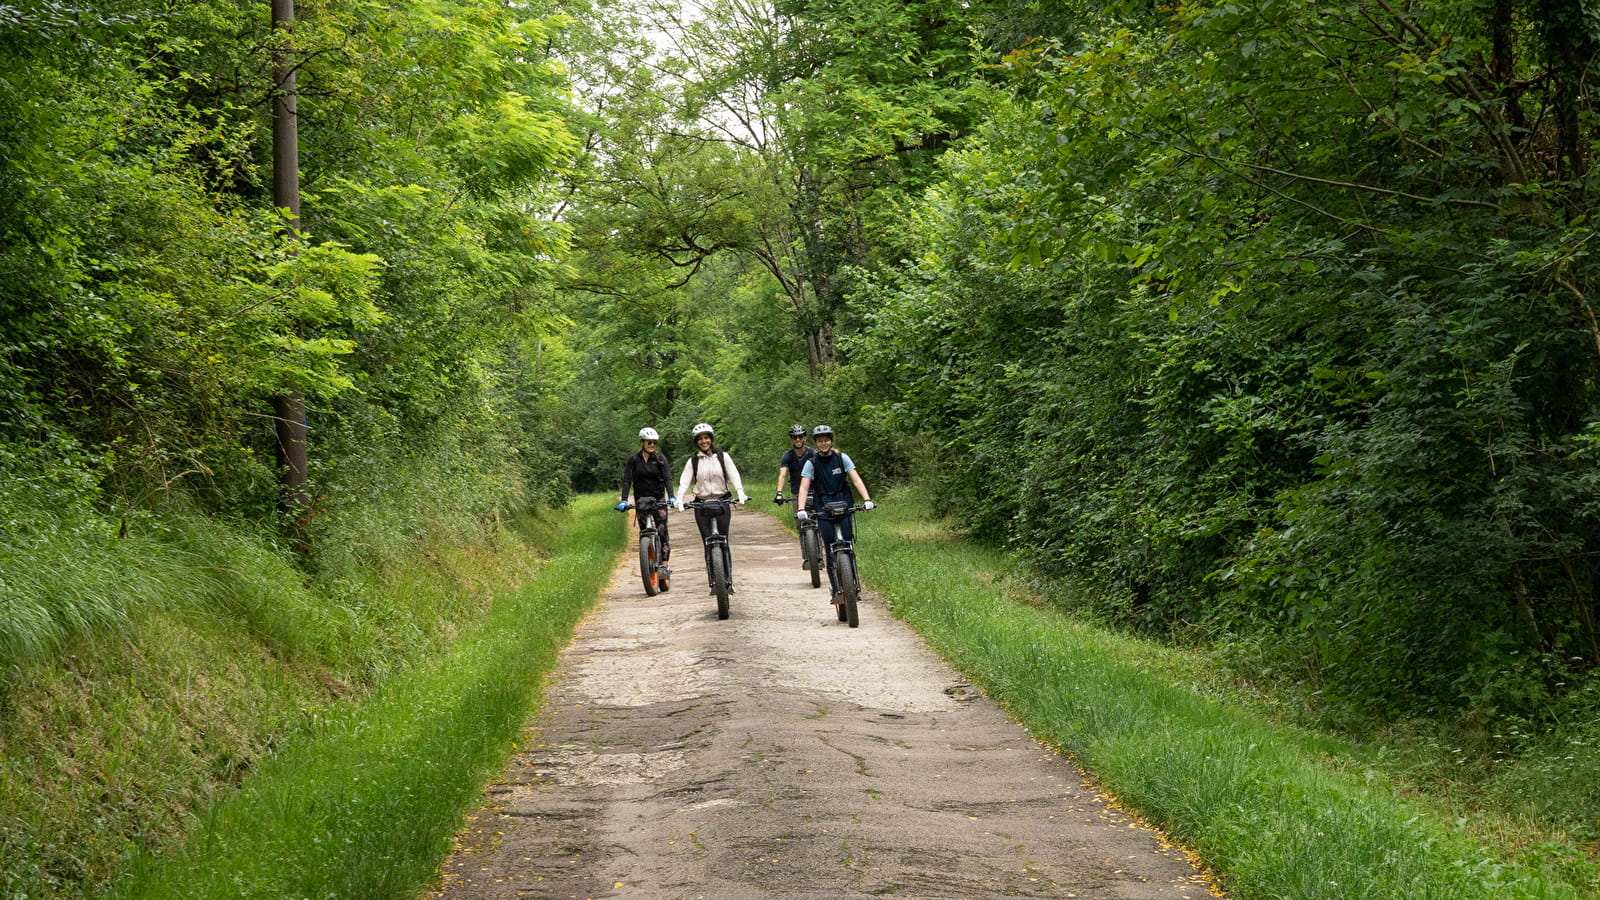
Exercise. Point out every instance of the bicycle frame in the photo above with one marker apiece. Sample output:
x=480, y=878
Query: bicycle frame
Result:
x=653, y=570
x=717, y=543
x=808, y=525
x=846, y=573
x=848, y=545
x=646, y=508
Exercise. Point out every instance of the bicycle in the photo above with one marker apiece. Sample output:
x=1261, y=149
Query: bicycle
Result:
x=810, y=546
x=845, y=572
x=719, y=560
x=652, y=569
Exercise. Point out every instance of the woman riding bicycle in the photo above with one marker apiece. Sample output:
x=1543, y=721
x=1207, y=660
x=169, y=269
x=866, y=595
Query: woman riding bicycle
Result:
x=830, y=474
x=649, y=474
x=710, y=474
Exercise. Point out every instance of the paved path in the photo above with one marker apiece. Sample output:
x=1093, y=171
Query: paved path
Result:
x=781, y=753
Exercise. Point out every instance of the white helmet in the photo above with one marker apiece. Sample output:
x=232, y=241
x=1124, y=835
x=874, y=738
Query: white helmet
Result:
x=648, y=434
x=700, y=429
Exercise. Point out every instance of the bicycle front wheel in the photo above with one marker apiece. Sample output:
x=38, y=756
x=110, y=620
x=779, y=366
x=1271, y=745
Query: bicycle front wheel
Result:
x=844, y=568
x=719, y=580
x=811, y=548
x=648, y=555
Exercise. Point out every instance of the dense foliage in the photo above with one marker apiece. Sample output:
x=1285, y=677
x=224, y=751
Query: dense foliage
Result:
x=151, y=305
x=164, y=628
x=1275, y=316
x=1271, y=318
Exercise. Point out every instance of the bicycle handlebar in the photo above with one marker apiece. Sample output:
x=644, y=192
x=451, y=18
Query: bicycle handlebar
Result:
x=711, y=501
x=823, y=511
x=820, y=509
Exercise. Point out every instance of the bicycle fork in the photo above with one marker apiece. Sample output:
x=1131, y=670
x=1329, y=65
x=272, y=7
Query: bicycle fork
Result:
x=718, y=543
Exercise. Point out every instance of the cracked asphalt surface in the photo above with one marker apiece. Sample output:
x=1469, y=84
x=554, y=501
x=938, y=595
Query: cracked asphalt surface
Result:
x=780, y=753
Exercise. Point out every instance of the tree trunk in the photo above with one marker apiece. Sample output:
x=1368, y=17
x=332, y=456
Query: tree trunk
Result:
x=1503, y=65
x=1569, y=49
x=289, y=408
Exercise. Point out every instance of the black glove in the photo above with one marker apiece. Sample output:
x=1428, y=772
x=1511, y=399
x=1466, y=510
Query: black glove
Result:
x=778, y=497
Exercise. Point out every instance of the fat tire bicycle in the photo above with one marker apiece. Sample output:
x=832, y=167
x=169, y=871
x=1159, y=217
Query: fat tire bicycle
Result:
x=845, y=572
x=719, y=560
x=810, y=546
x=653, y=569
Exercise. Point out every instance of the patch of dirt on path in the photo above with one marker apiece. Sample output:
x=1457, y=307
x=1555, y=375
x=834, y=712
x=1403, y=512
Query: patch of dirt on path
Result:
x=780, y=753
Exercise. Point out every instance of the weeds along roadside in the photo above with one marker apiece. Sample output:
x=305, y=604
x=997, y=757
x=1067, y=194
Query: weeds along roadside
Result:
x=367, y=804
x=1267, y=806
x=209, y=655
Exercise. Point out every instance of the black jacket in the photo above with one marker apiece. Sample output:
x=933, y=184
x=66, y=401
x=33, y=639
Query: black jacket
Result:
x=648, y=477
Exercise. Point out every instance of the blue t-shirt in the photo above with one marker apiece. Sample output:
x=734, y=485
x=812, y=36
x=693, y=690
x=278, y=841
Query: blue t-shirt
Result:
x=828, y=475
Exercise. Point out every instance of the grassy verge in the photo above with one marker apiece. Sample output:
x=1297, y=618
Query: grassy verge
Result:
x=367, y=803
x=163, y=667
x=1266, y=805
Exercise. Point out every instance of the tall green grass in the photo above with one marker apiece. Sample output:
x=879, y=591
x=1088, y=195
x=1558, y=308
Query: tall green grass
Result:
x=367, y=803
x=1263, y=804
x=74, y=579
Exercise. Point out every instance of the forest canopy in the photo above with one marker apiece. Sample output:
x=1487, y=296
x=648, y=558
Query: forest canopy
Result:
x=1269, y=322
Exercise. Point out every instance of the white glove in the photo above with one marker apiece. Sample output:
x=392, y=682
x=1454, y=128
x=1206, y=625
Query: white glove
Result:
x=744, y=498
x=680, y=505
x=868, y=505
x=801, y=515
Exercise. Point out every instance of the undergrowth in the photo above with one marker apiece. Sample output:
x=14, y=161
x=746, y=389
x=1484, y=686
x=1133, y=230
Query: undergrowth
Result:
x=155, y=661
x=1279, y=809
x=366, y=803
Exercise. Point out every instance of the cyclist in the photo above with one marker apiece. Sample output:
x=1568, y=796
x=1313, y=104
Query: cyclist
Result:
x=710, y=473
x=649, y=474
x=793, y=461
x=831, y=474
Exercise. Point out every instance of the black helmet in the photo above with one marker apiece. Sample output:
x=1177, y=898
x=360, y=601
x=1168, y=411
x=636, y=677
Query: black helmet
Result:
x=821, y=430
x=797, y=431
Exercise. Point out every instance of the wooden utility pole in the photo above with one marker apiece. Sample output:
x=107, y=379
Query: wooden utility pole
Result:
x=289, y=408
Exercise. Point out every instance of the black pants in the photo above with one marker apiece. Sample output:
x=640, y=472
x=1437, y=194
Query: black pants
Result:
x=703, y=518
x=832, y=531
x=660, y=516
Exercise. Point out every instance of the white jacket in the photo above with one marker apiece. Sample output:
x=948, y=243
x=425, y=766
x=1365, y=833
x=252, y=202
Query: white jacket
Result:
x=710, y=482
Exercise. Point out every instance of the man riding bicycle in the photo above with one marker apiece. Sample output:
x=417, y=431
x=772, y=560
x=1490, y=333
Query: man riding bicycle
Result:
x=830, y=475
x=790, y=466
x=649, y=474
